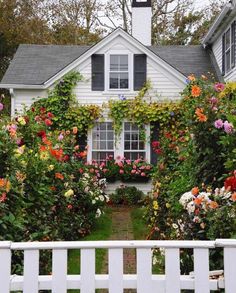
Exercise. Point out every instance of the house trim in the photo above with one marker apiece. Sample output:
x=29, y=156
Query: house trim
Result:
x=166, y=66
x=211, y=35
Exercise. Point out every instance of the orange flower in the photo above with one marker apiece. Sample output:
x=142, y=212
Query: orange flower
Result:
x=58, y=154
x=46, y=141
x=53, y=188
x=233, y=197
x=42, y=148
x=196, y=91
x=195, y=191
x=75, y=130
x=191, y=77
x=213, y=205
x=59, y=176
x=200, y=116
x=198, y=200
x=2, y=182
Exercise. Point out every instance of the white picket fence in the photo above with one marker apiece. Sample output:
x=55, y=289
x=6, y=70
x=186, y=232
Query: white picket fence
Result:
x=143, y=281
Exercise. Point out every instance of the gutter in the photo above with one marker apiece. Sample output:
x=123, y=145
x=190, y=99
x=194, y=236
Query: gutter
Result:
x=12, y=102
x=228, y=8
x=22, y=86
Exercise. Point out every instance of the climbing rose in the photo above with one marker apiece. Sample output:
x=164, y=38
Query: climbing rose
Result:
x=219, y=124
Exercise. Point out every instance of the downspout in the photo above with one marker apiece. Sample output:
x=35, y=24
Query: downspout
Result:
x=12, y=103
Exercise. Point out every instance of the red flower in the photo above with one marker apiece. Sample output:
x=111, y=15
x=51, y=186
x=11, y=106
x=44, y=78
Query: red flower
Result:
x=69, y=206
x=66, y=158
x=41, y=134
x=42, y=110
x=155, y=144
x=50, y=115
x=48, y=122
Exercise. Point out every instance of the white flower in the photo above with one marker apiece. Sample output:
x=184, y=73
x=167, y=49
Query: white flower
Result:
x=98, y=213
x=185, y=198
x=190, y=207
x=93, y=201
x=101, y=198
x=175, y=226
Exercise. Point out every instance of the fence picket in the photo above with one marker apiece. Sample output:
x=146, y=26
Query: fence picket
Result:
x=230, y=269
x=115, y=270
x=5, y=269
x=144, y=270
x=172, y=270
x=201, y=270
x=31, y=271
x=87, y=270
x=59, y=271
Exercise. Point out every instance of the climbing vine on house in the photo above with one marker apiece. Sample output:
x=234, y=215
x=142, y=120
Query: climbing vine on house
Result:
x=69, y=113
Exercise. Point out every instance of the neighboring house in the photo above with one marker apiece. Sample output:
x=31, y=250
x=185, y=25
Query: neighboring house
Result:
x=221, y=41
x=119, y=65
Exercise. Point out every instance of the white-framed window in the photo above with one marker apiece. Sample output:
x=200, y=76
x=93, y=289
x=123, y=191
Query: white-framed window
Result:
x=134, y=145
x=103, y=145
x=119, y=71
x=228, y=49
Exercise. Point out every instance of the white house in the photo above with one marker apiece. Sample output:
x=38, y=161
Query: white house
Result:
x=119, y=65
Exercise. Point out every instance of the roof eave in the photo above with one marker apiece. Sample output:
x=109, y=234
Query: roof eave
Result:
x=21, y=86
x=207, y=39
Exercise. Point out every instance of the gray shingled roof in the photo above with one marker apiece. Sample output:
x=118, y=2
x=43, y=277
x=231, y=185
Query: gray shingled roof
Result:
x=186, y=59
x=35, y=64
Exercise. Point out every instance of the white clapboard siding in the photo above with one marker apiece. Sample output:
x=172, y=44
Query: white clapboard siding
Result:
x=31, y=271
x=115, y=270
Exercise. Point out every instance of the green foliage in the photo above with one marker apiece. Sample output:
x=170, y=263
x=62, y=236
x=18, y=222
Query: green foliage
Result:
x=128, y=195
x=68, y=113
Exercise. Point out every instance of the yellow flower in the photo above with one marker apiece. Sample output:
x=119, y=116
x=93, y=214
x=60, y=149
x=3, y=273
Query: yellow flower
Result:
x=69, y=193
x=155, y=205
x=44, y=156
x=168, y=205
x=50, y=167
x=8, y=186
x=21, y=120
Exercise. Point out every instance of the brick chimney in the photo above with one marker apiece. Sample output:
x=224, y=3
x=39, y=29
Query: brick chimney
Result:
x=142, y=21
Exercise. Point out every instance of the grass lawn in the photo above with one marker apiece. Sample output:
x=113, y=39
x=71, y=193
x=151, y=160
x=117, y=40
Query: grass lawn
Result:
x=139, y=226
x=101, y=231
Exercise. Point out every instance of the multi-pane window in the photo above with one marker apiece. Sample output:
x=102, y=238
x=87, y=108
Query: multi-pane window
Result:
x=119, y=72
x=134, y=146
x=228, y=49
x=102, y=141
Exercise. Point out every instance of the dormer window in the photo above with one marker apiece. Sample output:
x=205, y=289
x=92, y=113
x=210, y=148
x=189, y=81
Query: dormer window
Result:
x=119, y=72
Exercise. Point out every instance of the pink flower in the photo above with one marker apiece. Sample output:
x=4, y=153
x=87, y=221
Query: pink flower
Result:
x=60, y=137
x=102, y=165
x=155, y=144
x=219, y=124
x=214, y=100
x=1, y=106
x=228, y=127
x=121, y=171
x=120, y=164
x=91, y=170
x=105, y=170
x=148, y=167
x=128, y=162
x=133, y=171
x=143, y=174
x=219, y=87
x=118, y=158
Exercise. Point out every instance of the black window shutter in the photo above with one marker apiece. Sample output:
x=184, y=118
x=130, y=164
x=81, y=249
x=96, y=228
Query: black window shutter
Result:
x=223, y=54
x=233, y=44
x=154, y=137
x=97, y=72
x=140, y=71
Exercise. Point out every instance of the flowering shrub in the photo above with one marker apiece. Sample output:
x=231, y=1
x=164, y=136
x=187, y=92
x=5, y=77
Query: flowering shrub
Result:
x=42, y=193
x=134, y=170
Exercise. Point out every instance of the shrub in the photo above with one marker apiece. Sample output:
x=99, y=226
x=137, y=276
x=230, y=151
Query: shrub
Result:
x=128, y=195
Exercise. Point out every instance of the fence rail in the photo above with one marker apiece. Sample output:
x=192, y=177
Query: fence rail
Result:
x=144, y=281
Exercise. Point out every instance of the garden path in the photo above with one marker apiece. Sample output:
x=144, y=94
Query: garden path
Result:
x=122, y=229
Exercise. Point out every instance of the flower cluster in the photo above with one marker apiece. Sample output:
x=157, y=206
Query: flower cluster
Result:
x=156, y=146
x=225, y=125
